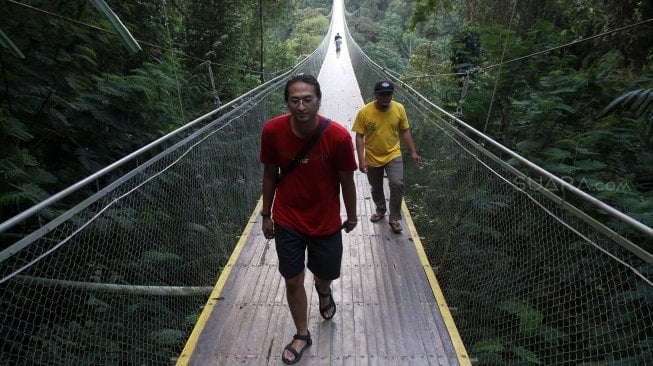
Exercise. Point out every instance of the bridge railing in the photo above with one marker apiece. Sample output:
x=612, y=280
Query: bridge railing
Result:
x=535, y=271
x=116, y=268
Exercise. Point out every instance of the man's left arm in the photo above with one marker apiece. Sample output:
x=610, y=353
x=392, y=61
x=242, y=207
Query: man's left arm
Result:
x=408, y=139
x=349, y=197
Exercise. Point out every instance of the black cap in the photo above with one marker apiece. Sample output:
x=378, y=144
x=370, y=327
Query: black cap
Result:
x=384, y=86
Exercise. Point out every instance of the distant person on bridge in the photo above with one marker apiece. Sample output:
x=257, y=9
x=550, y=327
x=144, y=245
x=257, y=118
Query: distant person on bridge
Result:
x=378, y=126
x=305, y=217
x=338, y=41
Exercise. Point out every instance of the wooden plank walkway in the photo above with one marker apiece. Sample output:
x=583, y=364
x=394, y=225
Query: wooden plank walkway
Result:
x=390, y=310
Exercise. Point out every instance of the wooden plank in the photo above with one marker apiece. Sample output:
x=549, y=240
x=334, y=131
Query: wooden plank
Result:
x=370, y=309
x=276, y=340
x=387, y=314
x=374, y=323
x=221, y=321
x=232, y=334
x=262, y=319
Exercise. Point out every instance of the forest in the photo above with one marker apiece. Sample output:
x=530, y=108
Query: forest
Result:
x=583, y=111
x=78, y=99
x=566, y=84
x=74, y=98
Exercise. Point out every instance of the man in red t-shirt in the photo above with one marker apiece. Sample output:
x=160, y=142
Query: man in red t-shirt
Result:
x=305, y=218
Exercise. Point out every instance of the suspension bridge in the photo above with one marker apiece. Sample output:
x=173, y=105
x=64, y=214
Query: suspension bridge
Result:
x=163, y=260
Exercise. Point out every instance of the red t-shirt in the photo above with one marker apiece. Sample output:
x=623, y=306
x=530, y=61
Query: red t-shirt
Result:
x=308, y=198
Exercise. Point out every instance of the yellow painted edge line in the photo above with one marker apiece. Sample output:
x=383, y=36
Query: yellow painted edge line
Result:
x=463, y=357
x=191, y=343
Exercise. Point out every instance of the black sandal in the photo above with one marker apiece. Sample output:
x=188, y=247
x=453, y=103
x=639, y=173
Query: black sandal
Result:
x=331, y=305
x=298, y=355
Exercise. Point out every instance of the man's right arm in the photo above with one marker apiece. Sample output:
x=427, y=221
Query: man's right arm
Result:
x=360, y=151
x=269, y=187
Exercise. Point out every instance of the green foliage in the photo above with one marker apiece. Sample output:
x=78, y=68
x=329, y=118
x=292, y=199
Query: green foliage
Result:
x=425, y=8
x=387, y=57
x=78, y=102
x=365, y=30
x=117, y=25
x=167, y=337
x=583, y=113
x=639, y=101
x=390, y=30
x=466, y=50
x=380, y=30
x=7, y=43
x=307, y=35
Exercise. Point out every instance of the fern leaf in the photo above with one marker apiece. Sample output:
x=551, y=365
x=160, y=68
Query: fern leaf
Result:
x=26, y=159
x=15, y=128
x=33, y=192
x=42, y=176
x=488, y=345
x=10, y=171
x=27, y=194
x=589, y=165
x=88, y=159
x=13, y=198
x=556, y=153
x=526, y=355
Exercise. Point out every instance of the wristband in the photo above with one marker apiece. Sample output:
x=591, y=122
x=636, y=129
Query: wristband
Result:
x=352, y=222
x=265, y=214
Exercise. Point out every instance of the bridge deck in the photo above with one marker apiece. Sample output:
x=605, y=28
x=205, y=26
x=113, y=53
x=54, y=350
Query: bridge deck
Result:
x=389, y=308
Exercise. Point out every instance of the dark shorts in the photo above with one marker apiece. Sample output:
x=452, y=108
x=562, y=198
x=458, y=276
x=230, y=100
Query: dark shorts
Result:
x=324, y=253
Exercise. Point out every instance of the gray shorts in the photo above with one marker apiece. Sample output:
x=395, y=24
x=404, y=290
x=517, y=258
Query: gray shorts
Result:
x=324, y=253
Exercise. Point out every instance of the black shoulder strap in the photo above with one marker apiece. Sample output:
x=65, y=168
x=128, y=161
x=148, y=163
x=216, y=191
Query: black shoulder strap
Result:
x=307, y=147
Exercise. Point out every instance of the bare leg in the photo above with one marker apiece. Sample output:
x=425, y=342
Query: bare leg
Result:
x=298, y=304
x=323, y=286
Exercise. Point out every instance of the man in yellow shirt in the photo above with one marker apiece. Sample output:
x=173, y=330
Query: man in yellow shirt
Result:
x=378, y=126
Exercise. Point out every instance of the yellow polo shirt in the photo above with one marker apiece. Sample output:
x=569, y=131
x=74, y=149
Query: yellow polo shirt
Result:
x=381, y=132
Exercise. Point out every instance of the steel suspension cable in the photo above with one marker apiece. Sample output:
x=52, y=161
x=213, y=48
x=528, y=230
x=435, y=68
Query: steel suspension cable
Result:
x=616, y=30
x=152, y=45
x=572, y=43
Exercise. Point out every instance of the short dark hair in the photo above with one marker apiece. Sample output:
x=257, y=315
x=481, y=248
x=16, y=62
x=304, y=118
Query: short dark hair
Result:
x=304, y=78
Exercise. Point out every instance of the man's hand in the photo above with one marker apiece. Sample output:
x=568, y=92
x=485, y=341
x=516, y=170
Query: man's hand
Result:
x=268, y=227
x=362, y=166
x=349, y=225
x=416, y=158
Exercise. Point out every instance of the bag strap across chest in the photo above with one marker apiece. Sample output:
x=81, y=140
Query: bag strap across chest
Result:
x=283, y=171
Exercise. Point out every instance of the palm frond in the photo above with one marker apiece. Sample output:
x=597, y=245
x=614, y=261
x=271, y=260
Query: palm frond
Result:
x=117, y=25
x=7, y=43
x=639, y=101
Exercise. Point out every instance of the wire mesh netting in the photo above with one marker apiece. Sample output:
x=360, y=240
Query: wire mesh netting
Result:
x=533, y=274
x=121, y=277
